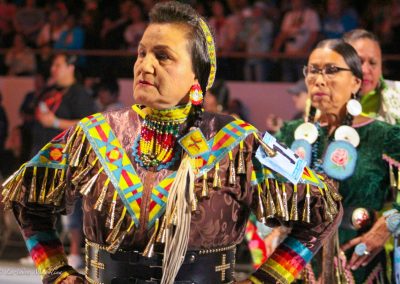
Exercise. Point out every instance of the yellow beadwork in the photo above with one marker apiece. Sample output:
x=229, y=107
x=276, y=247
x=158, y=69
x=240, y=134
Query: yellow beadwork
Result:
x=211, y=52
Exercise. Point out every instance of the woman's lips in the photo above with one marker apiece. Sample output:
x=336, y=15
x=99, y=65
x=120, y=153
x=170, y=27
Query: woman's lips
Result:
x=319, y=95
x=145, y=83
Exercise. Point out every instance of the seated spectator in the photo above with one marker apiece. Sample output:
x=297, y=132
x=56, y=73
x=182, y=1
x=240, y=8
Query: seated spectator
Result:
x=338, y=20
x=257, y=35
x=28, y=21
x=108, y=95
x=72, y=37
x=298, y=34
x=20, y=59
x=52, y=30
x=135, y=30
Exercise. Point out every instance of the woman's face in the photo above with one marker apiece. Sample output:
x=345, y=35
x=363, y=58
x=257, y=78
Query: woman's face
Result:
x=371, y=59
x=330, y=93
x=163, y=71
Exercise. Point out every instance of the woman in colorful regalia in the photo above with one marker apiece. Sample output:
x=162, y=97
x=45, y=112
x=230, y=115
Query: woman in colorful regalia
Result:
x=350, y=148
x=166, y=188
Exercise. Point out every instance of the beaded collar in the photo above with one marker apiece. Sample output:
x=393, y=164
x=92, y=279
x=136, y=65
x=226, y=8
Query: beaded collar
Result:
x=155, y=146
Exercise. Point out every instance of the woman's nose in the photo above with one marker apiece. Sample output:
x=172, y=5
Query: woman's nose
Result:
x=147, y=64
x=320, y=79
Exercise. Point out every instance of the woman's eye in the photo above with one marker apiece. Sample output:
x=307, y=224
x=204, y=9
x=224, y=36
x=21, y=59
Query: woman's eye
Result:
x=162, y=56
x=141, y=53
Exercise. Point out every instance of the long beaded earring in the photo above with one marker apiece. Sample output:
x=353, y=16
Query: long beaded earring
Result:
x=196, y=95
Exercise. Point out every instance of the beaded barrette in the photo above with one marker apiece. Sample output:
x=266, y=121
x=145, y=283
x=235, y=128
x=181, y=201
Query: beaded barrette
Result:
x=211, y=52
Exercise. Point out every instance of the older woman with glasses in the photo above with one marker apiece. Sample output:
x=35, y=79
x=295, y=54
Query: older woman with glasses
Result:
x=347, y=147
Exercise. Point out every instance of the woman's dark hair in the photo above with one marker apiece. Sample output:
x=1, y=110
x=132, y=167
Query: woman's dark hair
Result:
x=348, y=53
x=183, y=14
x=351, y=58
x=357, y=34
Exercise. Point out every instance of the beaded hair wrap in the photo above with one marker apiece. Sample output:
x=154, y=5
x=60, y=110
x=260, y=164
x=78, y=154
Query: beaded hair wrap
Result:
x=211, y=52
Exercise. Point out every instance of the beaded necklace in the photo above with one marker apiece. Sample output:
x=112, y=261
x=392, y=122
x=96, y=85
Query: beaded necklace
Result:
x=155, y=145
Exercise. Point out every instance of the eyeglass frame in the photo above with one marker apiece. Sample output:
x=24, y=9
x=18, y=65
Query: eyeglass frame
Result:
x=322, y=71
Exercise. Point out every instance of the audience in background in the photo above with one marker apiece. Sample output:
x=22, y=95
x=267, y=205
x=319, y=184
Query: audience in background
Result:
x=20, y=59
x=297, y=36
x=338, y=19
x=257, y=34
x=108, y=95
x=28, y=21
x=114, y=25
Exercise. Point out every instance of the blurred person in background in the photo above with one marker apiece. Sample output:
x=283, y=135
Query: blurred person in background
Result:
x=380, y=98
x=257, y=36
x=3, y=137
x=52, y=29
x=217, y=97
x=20, y=59
x=338, y=19
x=134, y=32
x=108, y=95
x=299, y=97
x=297, y=36
x=28, y=21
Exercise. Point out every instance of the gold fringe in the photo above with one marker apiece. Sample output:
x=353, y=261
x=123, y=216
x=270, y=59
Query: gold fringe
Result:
x=306, y=209
x=32, y=193
x=114, y=232
x=42, y=194
x=331, y=203
x=71, y=139
x=74, y=162
x=271, y=209
x=162, y=233
x=260, y=208
x=111, y=211
x=59, y=197
x=100, y=201
x=149, y=250
x=398, y=178
x=217, y=179
x=112, y=248
x=280, y=210
x=80, y=175
x=327, y=213
x=54, y=189
x=294, y=216
x=89, y=185
x=205, y=192
x=285, y=203
x=241, y=168
x=16, y=191
x=232, y=172
x=392, y=177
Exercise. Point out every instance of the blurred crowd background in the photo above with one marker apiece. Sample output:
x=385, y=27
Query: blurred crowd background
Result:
x=257, y=40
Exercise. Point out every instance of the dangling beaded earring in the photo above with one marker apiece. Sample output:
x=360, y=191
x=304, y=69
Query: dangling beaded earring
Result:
x=196, y=95
x=353, y=106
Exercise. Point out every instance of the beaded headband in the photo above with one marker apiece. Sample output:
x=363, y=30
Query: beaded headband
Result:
x=211, y=52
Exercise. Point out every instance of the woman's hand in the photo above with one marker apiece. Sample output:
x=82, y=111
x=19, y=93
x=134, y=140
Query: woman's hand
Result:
x=374, y=239
x=73, y=279
x=46, y=118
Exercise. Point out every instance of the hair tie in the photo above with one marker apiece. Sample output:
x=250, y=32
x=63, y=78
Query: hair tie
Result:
x=211, y=52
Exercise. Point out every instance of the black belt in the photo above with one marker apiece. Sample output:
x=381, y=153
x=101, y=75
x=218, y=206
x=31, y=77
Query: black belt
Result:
x=131, y=267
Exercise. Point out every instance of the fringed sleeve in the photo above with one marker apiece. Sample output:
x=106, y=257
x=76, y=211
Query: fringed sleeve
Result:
x=312, y=210
x=39, y=191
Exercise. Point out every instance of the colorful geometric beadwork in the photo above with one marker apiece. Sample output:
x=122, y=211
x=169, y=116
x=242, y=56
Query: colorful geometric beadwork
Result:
x=115, y=162
x=287, y=261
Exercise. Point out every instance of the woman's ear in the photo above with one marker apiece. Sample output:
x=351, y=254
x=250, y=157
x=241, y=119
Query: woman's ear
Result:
x=356, y=85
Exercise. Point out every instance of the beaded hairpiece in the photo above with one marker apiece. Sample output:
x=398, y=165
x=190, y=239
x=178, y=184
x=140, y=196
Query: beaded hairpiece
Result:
x=211, y=52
